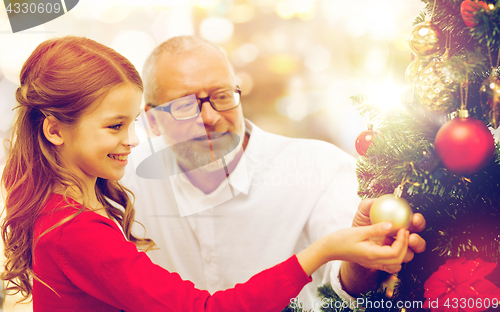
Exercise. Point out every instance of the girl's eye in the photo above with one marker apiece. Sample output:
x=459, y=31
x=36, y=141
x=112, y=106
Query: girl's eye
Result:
x=116, y=127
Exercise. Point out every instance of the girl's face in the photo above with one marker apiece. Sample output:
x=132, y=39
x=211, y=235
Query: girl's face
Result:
x=100, y=142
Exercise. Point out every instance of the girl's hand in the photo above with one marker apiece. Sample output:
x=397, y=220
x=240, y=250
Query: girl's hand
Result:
x=416, y=244
x=356, y=244
x=362, y=245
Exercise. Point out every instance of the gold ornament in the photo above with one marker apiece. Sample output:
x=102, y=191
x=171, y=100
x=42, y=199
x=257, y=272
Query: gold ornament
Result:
x=490, y=98
x=426, y=39
x=434, y=87
x=392, y=208
x=412, y=70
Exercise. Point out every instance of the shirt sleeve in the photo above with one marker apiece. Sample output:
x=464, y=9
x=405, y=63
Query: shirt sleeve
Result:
x=94, y=255
x=333, y=277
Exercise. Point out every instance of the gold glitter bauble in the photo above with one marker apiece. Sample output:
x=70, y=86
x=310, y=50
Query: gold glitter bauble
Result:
x=412, y=70
x=434, y=88
x=490, y=99
x=393, y=209
x=426, y=39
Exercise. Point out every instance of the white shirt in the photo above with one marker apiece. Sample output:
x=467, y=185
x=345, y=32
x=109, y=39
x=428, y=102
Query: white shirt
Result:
x=283, y=195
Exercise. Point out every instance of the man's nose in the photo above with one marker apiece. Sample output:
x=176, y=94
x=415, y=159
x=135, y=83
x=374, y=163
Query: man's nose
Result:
x=209, y=116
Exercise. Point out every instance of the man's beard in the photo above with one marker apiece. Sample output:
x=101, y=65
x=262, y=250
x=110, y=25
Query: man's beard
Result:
x=193, y=158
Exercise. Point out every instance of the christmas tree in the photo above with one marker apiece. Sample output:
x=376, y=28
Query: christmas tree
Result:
x=439, y=151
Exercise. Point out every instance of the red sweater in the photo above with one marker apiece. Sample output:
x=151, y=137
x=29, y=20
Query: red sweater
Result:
x=92, y=267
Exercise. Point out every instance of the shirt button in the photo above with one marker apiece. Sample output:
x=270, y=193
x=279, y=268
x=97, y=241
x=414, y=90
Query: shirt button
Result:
x=208, y=258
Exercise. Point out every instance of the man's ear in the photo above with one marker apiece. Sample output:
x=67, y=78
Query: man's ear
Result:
x=52, y=130
x=153, y=122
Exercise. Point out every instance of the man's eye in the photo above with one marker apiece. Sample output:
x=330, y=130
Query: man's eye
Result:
x=116, y=127
x=223, y=95
x=185, y=106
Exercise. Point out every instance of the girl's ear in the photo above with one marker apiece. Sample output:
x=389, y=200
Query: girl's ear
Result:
x=153, y=122
x=52, y=130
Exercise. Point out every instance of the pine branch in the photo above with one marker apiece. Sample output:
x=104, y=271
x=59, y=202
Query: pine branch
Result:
x=487, y=32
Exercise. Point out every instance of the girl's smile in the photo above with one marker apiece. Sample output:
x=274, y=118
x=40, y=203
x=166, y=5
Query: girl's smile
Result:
x=120, y=159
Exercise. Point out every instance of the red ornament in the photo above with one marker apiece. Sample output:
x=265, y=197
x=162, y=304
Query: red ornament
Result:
x=465, y=145
x=457, y=279
x=365, y=139
x=469, y=8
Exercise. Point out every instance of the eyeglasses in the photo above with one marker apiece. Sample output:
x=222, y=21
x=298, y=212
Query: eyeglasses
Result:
x=188, y=107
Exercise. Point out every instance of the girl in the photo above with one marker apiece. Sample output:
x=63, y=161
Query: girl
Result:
x=66, y=211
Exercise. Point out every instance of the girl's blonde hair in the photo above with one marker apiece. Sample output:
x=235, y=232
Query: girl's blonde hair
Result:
x=62, y=78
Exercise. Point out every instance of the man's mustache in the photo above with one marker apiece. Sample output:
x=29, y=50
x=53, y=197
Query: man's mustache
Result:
x=149, y=167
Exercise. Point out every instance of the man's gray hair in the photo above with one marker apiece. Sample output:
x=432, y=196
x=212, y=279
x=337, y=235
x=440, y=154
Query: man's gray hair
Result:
x=174, y=46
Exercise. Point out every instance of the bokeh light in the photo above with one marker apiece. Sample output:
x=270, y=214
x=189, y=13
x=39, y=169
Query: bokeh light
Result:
x=317, y=58
x=245, y=81
x=265, y=6
x=299, y=103
x=242, y=13
x=283, y=64
x=216, y=29
x=205, y=4
x=376, y=59
x=175, y=21
x=290, y=8
x=115, y=14
x=142, y=3
x=387, y=95
x=401, y=42
x=221, y=7
x=134, y=45
x=7, y=94
x=12, y=59
x=284, y=10
x=244, y=54
x=109, y=11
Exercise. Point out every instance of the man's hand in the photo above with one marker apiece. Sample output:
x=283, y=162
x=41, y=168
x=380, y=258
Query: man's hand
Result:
x=415, y=244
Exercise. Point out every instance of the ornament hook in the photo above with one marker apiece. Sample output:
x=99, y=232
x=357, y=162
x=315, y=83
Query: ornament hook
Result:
x=398, y=192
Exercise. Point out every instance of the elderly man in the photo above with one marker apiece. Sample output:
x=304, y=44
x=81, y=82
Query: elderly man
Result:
x=222, y=198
